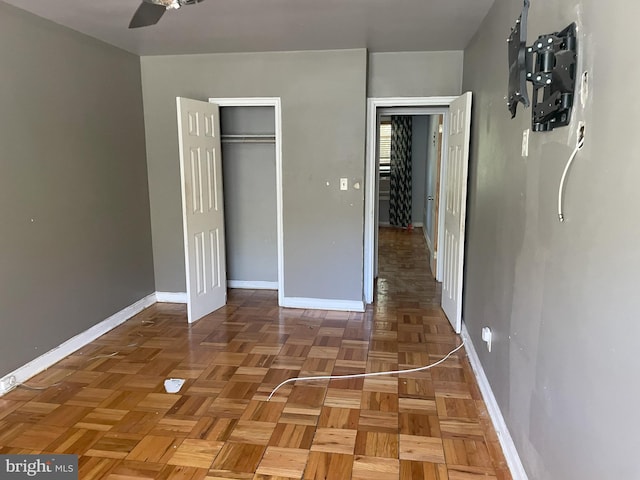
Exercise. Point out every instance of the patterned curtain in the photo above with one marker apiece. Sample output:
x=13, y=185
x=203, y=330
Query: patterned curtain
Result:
x=400, y=180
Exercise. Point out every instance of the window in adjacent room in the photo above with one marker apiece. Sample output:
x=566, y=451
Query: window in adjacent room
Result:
x=385, y=147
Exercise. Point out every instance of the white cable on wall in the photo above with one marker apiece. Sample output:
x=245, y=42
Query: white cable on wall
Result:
x=362, y=375
x=564, y=177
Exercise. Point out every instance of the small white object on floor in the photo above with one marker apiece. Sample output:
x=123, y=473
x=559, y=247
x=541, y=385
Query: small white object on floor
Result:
x=173, y=385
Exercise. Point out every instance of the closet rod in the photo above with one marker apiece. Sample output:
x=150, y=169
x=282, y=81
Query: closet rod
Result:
x=248, y=138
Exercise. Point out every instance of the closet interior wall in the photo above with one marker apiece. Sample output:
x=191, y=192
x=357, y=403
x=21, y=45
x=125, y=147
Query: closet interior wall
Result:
x=249, y=177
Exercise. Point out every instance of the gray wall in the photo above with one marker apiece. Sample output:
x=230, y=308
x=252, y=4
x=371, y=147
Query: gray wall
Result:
x=249, y=178
x=383, y=202
x=247, y=121
x=323, y=127
x=251, y=233
x=562, y=299
x=415, y=74
x=76, y=242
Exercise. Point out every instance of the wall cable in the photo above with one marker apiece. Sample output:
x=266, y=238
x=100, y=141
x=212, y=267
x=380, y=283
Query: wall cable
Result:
x=363, y=375
x=564, y=177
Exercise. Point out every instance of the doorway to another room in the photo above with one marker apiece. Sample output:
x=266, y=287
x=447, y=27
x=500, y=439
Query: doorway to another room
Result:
x=391, y=185
x=408, y=183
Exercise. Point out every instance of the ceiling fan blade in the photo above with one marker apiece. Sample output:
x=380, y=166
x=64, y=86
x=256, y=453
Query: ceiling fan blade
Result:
x=147, y=14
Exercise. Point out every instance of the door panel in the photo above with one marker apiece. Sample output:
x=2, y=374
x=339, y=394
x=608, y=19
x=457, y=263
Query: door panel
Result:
x=202, y=206
x=456, y=171
x=436, y=203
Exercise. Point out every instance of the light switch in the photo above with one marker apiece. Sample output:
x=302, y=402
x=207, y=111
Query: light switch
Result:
x=344, y=184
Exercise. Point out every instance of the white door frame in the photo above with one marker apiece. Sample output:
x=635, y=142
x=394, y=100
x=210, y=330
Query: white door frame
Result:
x=370, y=221
x=276, y=104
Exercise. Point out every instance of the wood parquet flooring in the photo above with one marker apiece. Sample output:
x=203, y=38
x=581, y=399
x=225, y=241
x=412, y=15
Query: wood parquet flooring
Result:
x=108, y=405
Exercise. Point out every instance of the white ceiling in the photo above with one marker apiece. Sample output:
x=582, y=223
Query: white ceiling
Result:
x=216, y=26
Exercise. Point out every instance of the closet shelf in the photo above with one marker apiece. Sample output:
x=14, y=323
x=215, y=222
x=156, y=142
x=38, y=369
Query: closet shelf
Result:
x=248, y=138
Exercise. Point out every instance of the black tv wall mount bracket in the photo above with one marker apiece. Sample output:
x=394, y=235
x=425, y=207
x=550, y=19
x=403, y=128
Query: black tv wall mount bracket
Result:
x=553, y=74
x=517, y=45
x=550, y=65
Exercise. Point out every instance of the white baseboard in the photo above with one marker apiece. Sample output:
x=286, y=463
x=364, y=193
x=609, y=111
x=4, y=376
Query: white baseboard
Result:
x=257, y=285
x=417, y=225
x=428, y=240
x=506, y=442
x=323, y=304
x=53, y=356
x=171, y=297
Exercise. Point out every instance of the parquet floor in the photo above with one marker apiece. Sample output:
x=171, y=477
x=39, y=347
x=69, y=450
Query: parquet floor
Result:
x=107, y=403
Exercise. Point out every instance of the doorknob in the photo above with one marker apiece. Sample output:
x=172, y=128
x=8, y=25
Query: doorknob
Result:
x=429, y=198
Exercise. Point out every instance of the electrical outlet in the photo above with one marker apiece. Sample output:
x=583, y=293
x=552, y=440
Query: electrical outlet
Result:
x=584, y=89
x=487, y=335
x=7, y=384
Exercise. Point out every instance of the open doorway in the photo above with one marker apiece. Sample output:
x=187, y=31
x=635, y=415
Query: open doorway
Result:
x=451, y=211
x=393, y=106
x=247, y=136
x=251, y=137
x=410, y=199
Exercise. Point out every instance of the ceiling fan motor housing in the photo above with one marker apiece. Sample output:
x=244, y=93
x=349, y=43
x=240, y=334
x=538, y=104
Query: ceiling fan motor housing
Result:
x=173, y=4
x=150, y=11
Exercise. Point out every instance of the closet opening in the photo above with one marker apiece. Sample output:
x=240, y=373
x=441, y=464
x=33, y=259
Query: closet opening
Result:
x=251, y=170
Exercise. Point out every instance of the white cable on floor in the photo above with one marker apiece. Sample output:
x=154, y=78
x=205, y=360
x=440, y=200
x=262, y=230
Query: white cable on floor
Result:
x=361, y=375
x=564, y=177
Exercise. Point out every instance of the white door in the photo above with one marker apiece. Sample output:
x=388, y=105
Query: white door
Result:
x=431, y=184
x=455, y=197
x=202, y=206
x=376, y=205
